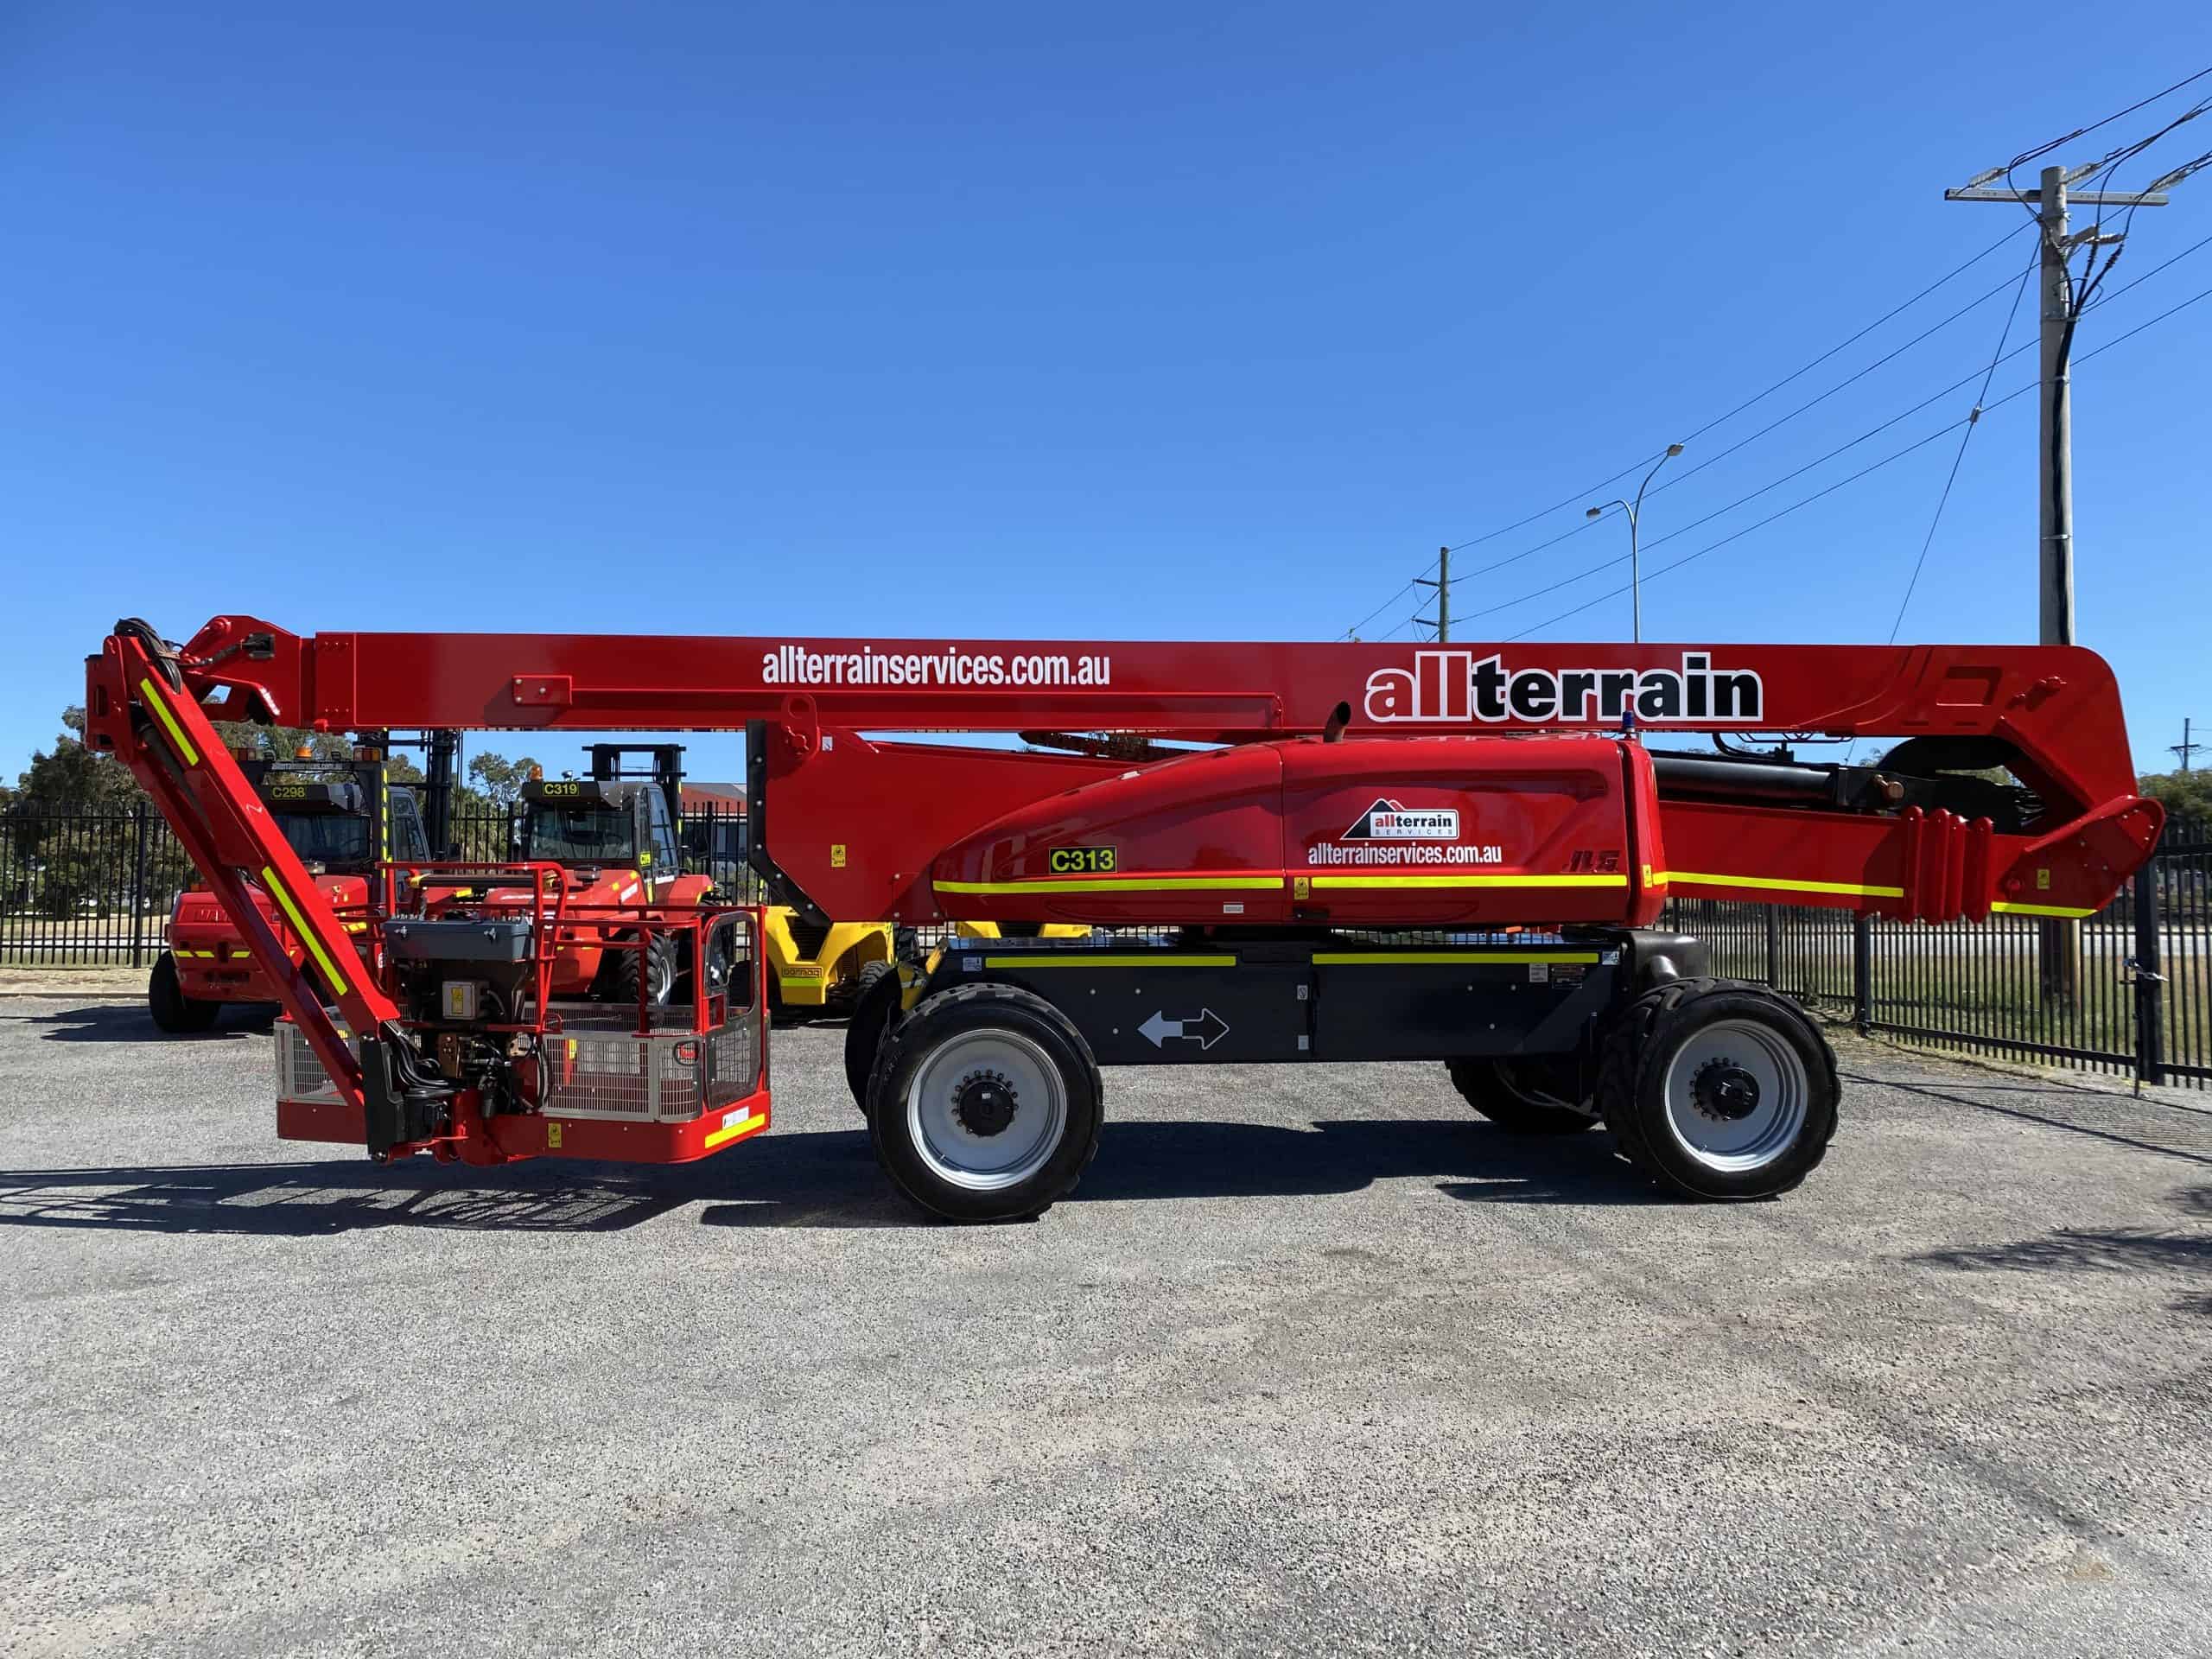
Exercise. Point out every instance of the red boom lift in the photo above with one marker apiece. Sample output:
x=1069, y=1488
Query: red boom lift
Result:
x=1449, y=852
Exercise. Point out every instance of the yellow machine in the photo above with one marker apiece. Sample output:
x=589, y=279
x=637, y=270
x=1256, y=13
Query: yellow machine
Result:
x=815, y=969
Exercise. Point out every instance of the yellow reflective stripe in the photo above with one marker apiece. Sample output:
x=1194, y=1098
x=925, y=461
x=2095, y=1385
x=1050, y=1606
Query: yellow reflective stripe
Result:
x=1109, y=959
x=1354, y=959
x=1471, y=881
x=1775, y=884
x=2066, y=911
x=1124, y=884
x=307, y=935
x=743, y=1125
x=182, y=744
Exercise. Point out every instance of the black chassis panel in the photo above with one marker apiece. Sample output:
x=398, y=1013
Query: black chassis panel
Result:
x=1278, y=1001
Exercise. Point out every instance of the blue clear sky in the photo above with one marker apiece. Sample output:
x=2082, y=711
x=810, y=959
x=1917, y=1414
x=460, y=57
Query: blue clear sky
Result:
x=1151, y=321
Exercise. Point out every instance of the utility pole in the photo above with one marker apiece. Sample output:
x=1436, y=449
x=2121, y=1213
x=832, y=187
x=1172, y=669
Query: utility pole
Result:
x=2055, y=424
x=2185, y=748
x=2058, y=945
x=1442, y=620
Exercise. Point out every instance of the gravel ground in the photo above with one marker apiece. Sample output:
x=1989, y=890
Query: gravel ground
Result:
x=1315, y=1363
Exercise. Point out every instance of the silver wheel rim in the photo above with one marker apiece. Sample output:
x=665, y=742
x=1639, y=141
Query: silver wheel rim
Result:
x=660, y=977
x=1769, y=1129
x=986, y=1163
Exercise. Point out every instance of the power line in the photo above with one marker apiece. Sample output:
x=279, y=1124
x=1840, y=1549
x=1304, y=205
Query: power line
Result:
x=1772, y=425
x=1352, y=631
x=1918, y=443
x=1871, y=432
x=1584, y=494
x=2041, y=150
x=1965, y=437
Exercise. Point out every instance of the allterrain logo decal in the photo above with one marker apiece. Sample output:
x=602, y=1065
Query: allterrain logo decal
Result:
x=1388, y=821
x=1451, y=687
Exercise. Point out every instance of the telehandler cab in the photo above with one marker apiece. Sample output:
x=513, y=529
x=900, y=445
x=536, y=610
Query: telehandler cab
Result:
x=343, y=819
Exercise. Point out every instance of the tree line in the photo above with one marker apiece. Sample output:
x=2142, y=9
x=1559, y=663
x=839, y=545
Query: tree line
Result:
x=67, y=836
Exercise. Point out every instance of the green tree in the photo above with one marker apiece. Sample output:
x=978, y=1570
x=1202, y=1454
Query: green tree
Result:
x=73, y=823
x=499, y=779
x=2184, y=794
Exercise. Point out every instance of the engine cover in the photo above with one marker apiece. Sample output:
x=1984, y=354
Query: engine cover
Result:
x=1398, y=832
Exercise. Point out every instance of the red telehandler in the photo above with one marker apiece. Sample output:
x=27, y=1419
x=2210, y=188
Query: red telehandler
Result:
x=345, y=819
x=1332, y=853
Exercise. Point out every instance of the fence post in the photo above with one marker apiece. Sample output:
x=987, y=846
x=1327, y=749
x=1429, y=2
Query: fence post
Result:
x=1774, y=946
x=2150, y=983
x=1862, y=973
x=138, y=886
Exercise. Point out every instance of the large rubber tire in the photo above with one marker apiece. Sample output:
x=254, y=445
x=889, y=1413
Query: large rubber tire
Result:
x=174, y=1012
x=875, y=1009
x=1659, y=1047
x=1513, y=1094
x=657, y=961
x=1004, y=1037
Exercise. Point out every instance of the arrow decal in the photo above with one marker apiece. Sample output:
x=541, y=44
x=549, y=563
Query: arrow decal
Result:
x=1206, y=1030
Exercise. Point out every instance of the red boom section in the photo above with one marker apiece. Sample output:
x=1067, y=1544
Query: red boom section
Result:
x=157, y=727
x=2057, y=705
x=1565, y=825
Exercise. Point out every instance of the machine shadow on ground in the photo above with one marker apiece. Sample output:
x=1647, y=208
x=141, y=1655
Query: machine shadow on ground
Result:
x=803, y=1179
x=129, y=1022
x=2171, y=1253
x=1966, y=1094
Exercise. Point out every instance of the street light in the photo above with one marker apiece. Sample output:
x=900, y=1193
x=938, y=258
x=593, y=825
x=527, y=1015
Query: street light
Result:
x=1635, y=574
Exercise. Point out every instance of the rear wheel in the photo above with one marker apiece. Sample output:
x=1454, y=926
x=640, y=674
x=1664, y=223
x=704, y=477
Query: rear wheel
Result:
x=985, y=1104
x=875, y=1008
x=1524, y=1096
x=174, y=1012
x=1719, y=1089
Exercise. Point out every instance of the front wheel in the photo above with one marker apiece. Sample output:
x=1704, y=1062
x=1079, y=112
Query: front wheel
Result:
x=174, y=1012
x=985, y=1104
x=1718, y=1089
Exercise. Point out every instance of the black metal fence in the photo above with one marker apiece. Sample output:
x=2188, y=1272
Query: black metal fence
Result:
x=2129, y=990
x=87, y=887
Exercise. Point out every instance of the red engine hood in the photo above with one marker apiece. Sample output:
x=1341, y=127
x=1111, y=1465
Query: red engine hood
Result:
x=197, y=907
x=1402, y=832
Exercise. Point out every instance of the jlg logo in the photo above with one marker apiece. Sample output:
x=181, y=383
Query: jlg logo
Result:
x=1450, y=687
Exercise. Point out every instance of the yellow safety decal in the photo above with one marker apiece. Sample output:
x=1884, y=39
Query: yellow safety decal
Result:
x=1511, y=959
x=553, y=1135
x=1471, y=881
x=836, y=854
x=306, y=936
x=1775, y=884
x=745, y=1125
x=1125, y=884
x=182, y=744
x=1105, y=959
x=2066, y=911
x=1301, y=887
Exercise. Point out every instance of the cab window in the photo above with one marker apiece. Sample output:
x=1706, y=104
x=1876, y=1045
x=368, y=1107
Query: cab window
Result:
x=409, y=839
x=660, y=835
